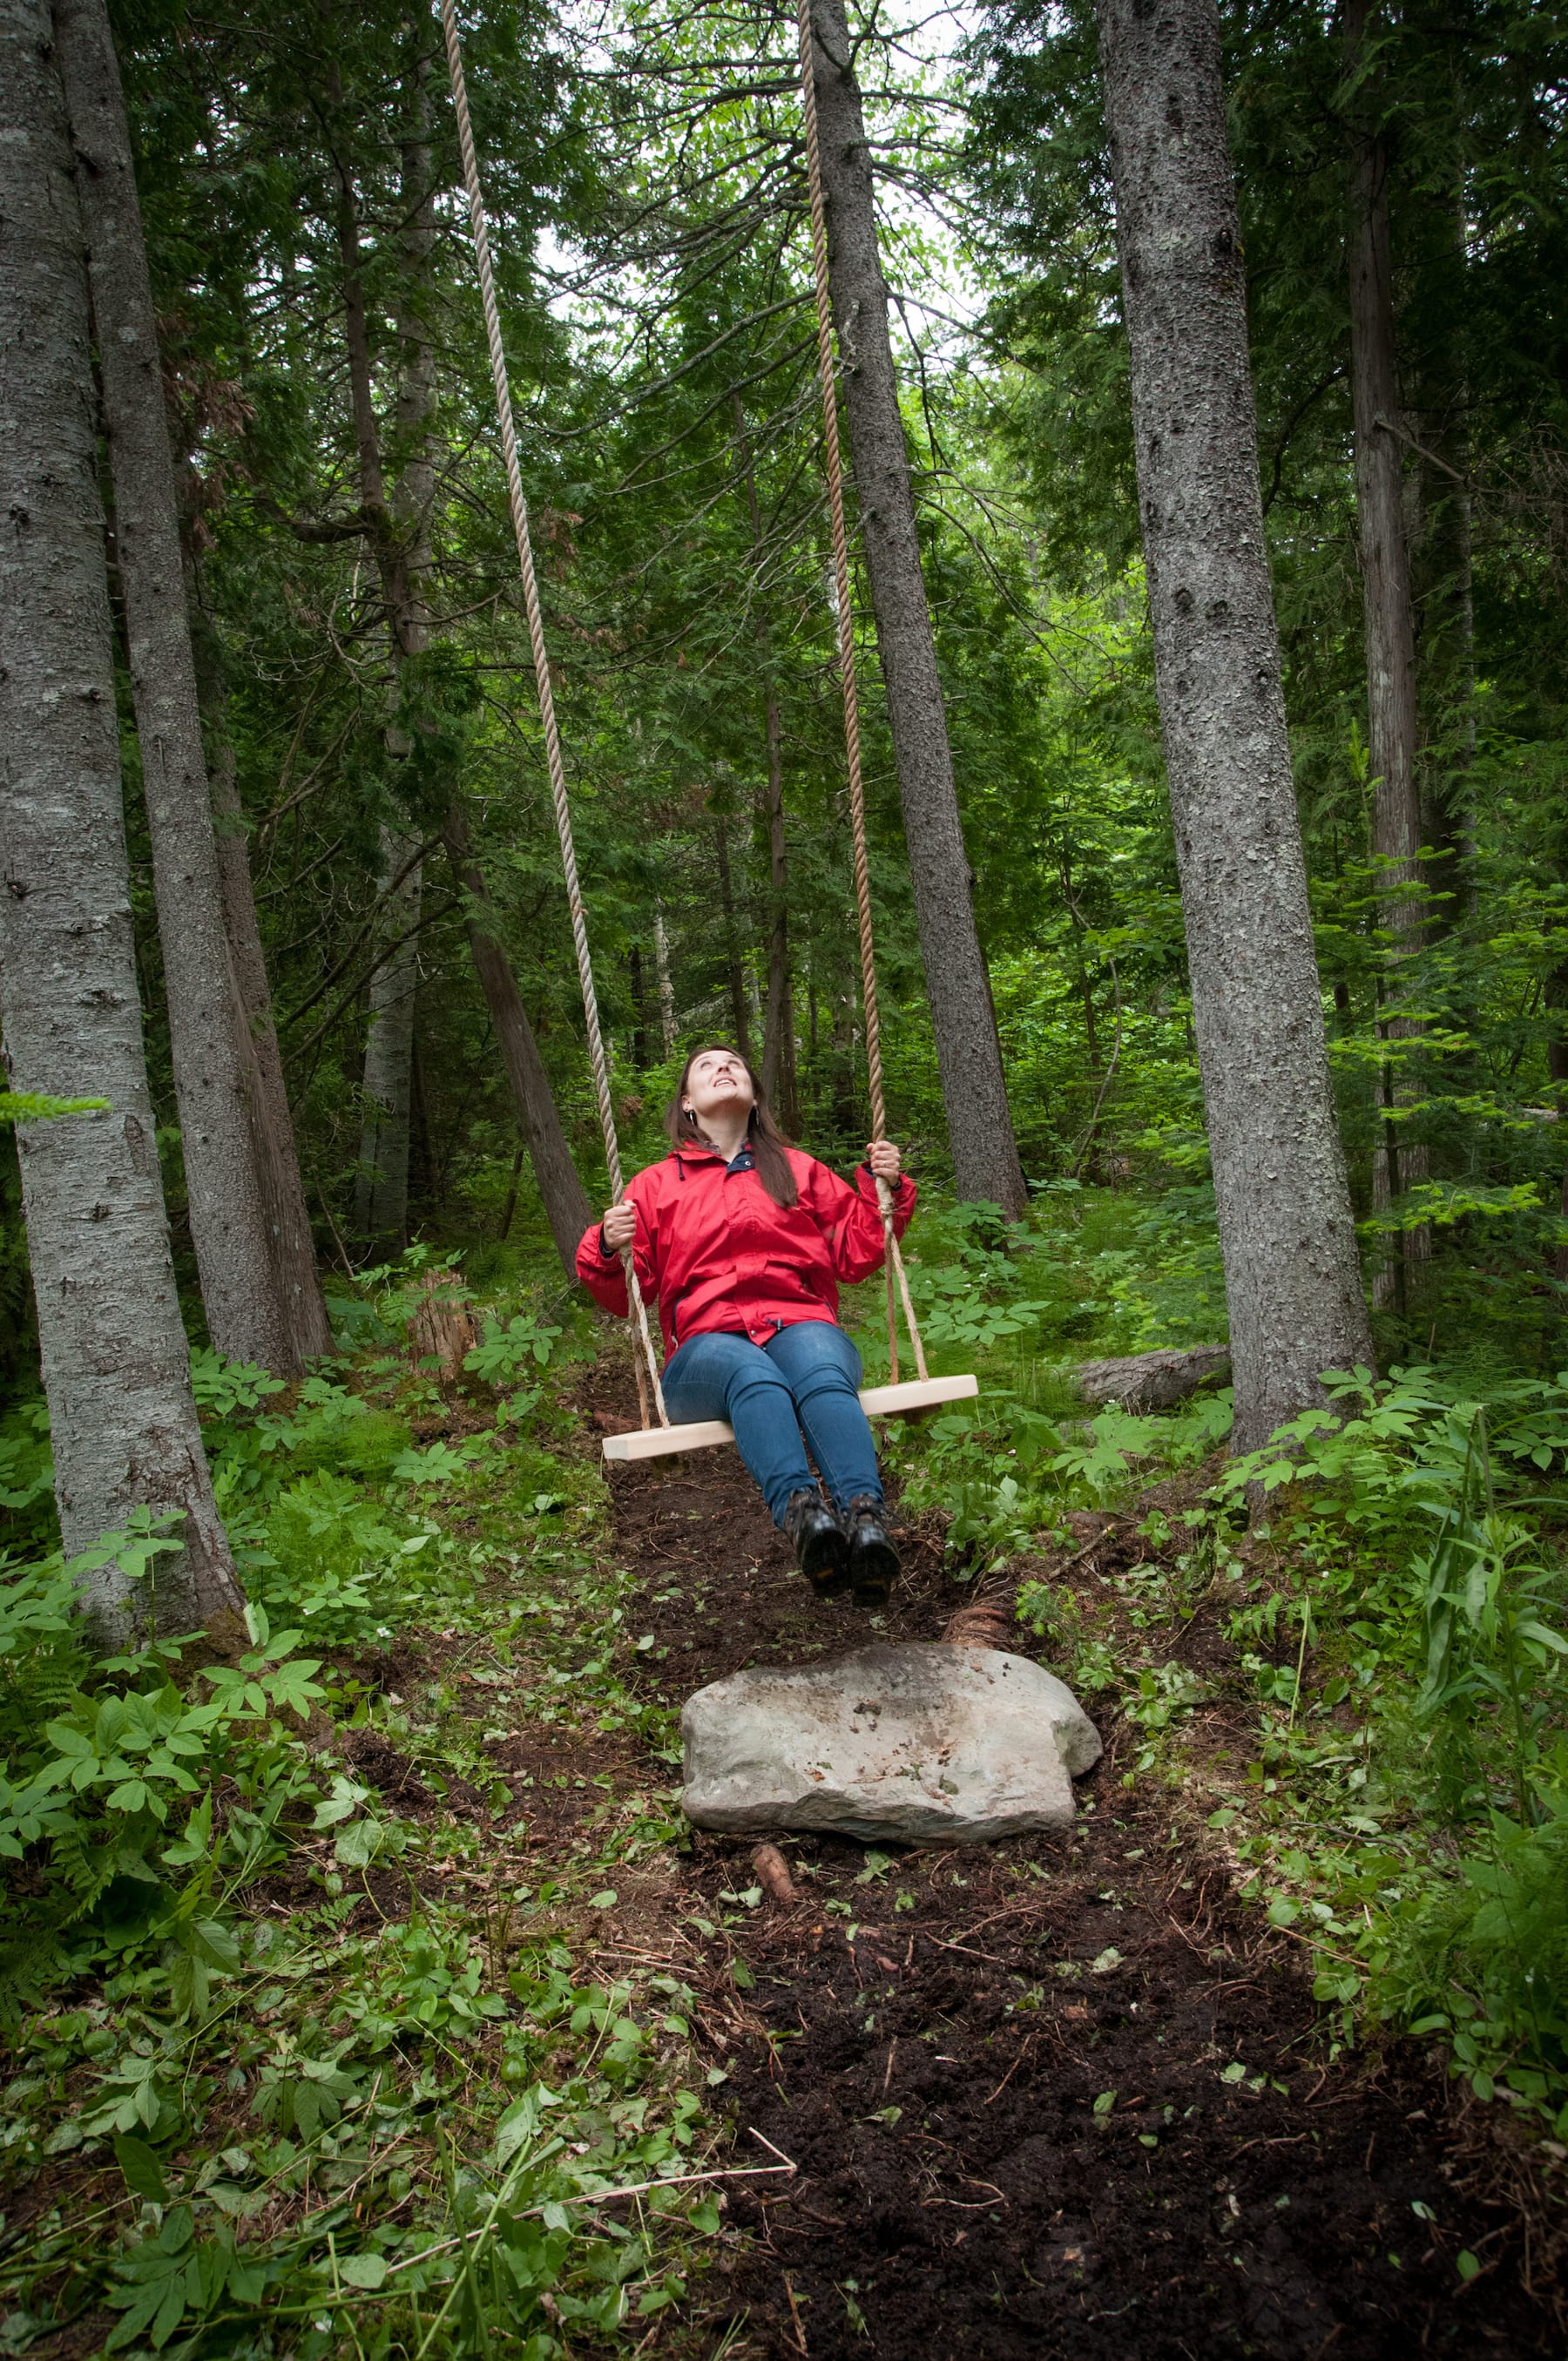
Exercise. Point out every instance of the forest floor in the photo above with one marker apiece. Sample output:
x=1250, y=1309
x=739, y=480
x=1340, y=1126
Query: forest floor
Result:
x=1061, y=2096
x=495, y=2027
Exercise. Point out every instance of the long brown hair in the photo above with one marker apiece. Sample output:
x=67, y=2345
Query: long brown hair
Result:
x=766, y=1141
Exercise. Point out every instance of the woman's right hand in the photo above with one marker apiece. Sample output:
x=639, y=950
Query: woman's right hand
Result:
x=619, y=1227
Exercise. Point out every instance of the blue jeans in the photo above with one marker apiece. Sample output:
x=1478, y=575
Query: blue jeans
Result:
x=807, y=1376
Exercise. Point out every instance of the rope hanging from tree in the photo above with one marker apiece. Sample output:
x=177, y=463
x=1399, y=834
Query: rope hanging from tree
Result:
x=827, y=375
x=546, y=695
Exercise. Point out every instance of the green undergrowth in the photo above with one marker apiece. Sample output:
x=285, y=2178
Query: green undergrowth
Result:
x=319, y=2036
x=1377, y=1730
x=299, y=2065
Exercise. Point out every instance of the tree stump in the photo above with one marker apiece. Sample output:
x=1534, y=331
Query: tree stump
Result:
x=443, y=1329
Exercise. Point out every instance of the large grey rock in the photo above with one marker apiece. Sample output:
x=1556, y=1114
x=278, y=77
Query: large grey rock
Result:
x=916, y=1744
x=1152, y=1380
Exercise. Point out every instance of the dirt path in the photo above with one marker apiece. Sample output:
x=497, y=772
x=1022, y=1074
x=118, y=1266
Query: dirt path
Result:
x=1051, y=2098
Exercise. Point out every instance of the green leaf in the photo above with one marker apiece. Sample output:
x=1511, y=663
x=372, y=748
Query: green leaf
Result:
x=141, y=2169
x=196, y=1843
x=171, y=2311
x=360, y=1842
x=176, y=2230
x=366, y=2270
x=517, y=2126
x=211, y=1941
x=346, y=1799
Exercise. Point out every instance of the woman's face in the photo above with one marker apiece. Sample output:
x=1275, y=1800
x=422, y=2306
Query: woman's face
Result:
x=718, y=1084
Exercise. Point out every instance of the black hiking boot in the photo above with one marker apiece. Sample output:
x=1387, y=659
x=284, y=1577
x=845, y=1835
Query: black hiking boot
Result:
x=821, y=1550
x=873, y=1560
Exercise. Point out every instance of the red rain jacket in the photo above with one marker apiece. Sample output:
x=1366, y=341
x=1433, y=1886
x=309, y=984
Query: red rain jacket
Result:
x=719, y=1253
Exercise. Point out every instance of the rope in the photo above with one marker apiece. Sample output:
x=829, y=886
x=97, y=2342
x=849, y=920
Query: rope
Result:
x=828, y=374
x=546, y=696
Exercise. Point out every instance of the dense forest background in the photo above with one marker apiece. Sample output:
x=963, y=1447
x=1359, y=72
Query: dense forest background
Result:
x=655, y=284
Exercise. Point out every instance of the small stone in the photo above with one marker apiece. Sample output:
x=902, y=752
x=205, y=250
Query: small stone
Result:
x=1152, y=1380
x=918, y=1745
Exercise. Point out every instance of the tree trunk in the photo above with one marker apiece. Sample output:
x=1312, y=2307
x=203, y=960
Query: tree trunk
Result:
x=509, y=1208
x=1450, y=735
x=1557, y=1067
x=207, y=1026
x=1442, y=589
x=282, y=1184
x=403, y=554
x=666, y=987
x=413, y=446
x=566, y=1204
x=778, y=1024
x=1380, y=522
x=1389, y=624
x=638, y=983
x=849, y=1108
x=381, y=1193
x=968, y=1055
x=116, y=1366
x=1088, y=1158
x=1286, y=1227
x=778, y=1020
x=732, y=968
x=277, y=1156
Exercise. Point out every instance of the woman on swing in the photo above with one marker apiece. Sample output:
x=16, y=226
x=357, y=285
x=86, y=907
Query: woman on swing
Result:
x=744, y=1241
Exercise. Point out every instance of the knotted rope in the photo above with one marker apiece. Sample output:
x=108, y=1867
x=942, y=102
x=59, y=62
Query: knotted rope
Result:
x=828, y=374
x=480, y=227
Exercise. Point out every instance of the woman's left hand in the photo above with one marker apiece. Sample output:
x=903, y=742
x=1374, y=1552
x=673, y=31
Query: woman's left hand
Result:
x=884, y=1159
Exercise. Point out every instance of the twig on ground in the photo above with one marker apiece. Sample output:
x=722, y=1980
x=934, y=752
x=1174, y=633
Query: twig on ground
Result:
x=1012, y=2069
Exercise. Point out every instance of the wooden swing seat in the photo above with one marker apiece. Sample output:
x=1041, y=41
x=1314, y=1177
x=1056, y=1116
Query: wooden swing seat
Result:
x=877, y=1401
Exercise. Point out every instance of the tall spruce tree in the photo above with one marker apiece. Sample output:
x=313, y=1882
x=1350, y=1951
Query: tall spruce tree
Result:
x=220, y=1097
x=1388, y=605
x=116, y=1366
x=1292, y=1282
